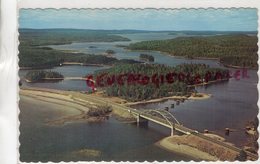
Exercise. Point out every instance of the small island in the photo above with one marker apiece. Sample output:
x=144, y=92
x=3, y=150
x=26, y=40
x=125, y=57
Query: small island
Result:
x=100, y=111
x=110, y=52
x=36, y=76
x=39, y=58
x=34, y=53
x=146, y=57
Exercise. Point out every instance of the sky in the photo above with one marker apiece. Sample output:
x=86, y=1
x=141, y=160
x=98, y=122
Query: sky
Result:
x=148, y=19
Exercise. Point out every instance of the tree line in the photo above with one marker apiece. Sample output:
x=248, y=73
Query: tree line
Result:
x=41, y=57
x=138, y=89
x=32, y=52
x=146, y=57
x=35, y=76
x=237, y=50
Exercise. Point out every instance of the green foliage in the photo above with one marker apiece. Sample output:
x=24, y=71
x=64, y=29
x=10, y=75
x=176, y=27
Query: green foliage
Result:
x=110, y=52
x=239, y=50
x=90, y=59
x=99, y=111
x=32, y=54
x=147, y=57
x=126, y=61
x=243, y=61
x=35, y=76
x=194, y=33
x=42, y=57
x=40, y=37
x=37, y=57
x=136, y=91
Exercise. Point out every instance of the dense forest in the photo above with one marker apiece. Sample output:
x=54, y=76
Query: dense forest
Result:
x=237, y=50
x=33, y=54
x=42, y=37
x=146, y=57
x=135, y=82
x=46, y=57
x=34, y=76
x=212, y=32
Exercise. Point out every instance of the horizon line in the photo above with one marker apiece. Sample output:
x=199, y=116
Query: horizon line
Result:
x=136, y=30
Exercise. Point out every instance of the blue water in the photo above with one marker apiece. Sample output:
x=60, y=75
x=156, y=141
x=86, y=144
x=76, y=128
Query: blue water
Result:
x=232, y=105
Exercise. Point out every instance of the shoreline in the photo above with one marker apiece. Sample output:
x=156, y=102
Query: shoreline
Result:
x=35, y=68
x=78, y=108
x=237, y=67
x=209, y=82
x=195, y=58
x=204, y=96
x=184, y=150
x=191, y=142
x=64, y=64
x=79, y=98
x=83, y=64
x=198, y=148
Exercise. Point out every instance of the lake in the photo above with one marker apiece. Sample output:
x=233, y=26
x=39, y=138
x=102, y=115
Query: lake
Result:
x=232, y=105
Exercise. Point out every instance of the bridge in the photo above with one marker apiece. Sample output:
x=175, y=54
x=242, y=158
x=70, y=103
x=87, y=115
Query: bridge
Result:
x=161, y=117
x=158, y=116
x=166, y=119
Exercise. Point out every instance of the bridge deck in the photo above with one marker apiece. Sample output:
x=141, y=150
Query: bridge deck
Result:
x=183, y=129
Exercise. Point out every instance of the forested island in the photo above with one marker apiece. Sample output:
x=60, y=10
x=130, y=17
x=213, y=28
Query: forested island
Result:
x=110, y=52
x=33, y=54
x=43, y=57
x=135, y=82
x=35, y=76
x=231, y=50
x=146, y=57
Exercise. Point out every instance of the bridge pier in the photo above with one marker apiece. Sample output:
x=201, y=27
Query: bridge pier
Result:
x=141, y=121
x=172, y=130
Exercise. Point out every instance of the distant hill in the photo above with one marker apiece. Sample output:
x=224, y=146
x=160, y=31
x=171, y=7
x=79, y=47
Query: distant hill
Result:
x=231, y=50
x=131, y=31
x=41, y=37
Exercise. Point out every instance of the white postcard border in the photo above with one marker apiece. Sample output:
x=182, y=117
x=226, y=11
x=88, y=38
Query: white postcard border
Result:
x=9, y=122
